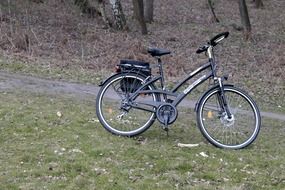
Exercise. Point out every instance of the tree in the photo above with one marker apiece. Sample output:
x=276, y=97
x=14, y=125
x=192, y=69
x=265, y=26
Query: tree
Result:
x=210, y=3
x=139, y=14
x=120, y=20
x=99, y=9
x=103, y=12
x=86, y=8
x=148, y=12
x=245, y=19
x=258, y=3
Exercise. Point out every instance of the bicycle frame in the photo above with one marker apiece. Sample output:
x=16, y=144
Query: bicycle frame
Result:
x=180, y=96
x=173, y=92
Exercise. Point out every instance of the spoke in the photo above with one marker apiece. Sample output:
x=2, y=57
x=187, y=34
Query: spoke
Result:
x=211, y=108
x=238, y=106
x=216, y=132
x=239, y=131
x=116, y=89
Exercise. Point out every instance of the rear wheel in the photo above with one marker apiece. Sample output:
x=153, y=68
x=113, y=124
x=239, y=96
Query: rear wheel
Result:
x=113, y=110
x=236, y=132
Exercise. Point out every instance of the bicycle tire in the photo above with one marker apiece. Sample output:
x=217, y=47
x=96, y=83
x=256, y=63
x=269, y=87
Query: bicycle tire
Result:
x=134, y=124
x=235, y=133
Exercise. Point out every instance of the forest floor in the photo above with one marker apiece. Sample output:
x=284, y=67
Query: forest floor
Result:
x=52, y=58
x=52, y=39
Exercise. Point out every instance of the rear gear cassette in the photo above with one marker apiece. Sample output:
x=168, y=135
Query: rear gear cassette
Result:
x=166, y=113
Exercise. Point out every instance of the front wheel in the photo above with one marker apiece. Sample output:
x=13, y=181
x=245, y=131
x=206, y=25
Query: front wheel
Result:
x=235, y=132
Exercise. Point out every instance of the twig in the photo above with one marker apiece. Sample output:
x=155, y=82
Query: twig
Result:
x=213, y=11
x=187, y=145
x=36, y=37
x=9, y=11
x=10, y=40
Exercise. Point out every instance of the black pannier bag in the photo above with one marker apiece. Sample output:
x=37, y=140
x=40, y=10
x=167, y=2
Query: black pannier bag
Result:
x=130, y=85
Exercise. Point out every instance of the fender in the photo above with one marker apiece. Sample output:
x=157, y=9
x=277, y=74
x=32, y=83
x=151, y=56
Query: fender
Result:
x=105, y=80
x=216, y=86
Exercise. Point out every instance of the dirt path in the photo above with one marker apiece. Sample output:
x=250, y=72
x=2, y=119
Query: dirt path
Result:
x=9, y=82
x=12, y=82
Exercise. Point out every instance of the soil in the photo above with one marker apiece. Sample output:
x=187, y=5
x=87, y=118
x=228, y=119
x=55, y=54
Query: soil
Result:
x=15, y=82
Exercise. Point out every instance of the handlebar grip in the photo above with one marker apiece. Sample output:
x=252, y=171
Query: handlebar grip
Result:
x=214, y=41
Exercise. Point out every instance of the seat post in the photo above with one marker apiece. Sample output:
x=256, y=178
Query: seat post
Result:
x=162, y=76
x=160, y=72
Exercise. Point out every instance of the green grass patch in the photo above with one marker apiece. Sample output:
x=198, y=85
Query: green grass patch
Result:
x=41, y=149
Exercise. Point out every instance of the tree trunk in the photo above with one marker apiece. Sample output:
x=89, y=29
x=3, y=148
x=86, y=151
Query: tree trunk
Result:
x=120, y=20
x=103, y=13
x=258, y=3
x=245, y=19
x=86, y=8
x=139, y=13
x=92, y=11
x=210, y=3
x=148, y=11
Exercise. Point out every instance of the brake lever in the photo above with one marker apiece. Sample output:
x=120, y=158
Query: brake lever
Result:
x=202, y=49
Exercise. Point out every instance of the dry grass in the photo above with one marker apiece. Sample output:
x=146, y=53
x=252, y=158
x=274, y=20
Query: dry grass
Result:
x=56, y=34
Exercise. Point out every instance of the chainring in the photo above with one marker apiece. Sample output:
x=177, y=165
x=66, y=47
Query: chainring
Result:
x=166, y=113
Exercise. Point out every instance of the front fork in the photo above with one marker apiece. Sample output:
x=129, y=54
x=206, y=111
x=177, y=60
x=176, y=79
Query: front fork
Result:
x=222, y=98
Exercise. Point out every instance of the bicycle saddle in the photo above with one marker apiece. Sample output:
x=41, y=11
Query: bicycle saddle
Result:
x=158, y=52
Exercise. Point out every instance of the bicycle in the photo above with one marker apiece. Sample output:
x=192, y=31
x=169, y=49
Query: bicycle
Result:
x=128, y=102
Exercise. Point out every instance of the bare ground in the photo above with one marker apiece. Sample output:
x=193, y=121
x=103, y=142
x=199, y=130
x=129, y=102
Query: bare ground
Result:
x=21, y=83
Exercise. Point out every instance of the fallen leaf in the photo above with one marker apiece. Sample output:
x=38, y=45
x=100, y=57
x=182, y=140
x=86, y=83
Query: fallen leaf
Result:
x=210, y=114
x=204, y=154
x=59, y=114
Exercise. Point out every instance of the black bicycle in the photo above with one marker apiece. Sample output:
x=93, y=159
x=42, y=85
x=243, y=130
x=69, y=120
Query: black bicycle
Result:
x=129, y=101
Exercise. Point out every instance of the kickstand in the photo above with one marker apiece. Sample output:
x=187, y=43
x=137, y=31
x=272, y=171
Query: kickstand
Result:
x=166, y=129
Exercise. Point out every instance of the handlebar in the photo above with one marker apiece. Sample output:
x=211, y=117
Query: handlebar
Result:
x=213, y=42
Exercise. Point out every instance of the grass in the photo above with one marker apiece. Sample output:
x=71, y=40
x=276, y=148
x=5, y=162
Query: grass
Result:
x=54, y=142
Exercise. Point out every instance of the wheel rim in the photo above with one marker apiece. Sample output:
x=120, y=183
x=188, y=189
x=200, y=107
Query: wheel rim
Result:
x=236, y=132
x=115, y=115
